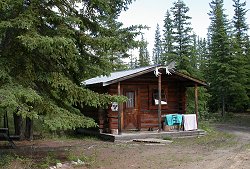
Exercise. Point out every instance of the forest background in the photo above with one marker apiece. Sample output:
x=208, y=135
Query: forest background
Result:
x=48, y=47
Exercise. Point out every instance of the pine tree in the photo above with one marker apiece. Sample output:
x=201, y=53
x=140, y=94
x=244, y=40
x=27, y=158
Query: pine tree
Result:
x=219, y=68
x=182, y=35
x=47, y=48
x=168, y=40
x=157, y=50
x=144, y=59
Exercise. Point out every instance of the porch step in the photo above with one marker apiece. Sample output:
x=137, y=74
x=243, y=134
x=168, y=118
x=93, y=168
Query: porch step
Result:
x=153, y=134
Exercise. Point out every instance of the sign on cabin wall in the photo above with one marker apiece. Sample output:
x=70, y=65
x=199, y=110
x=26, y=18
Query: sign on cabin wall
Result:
x=114, y=106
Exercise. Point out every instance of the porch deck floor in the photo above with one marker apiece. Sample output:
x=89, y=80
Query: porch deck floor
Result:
x=131, y=135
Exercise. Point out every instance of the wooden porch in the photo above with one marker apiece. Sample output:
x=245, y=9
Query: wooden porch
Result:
x=132, y=135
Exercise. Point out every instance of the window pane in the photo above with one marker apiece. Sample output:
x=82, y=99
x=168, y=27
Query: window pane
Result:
x=131, y=99
x=156, y=97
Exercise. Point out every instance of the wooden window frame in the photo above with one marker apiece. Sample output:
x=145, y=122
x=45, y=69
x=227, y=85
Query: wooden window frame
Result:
x=155, y=97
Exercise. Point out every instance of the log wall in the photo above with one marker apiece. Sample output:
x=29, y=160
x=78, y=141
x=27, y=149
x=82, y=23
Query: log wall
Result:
x=147, y=112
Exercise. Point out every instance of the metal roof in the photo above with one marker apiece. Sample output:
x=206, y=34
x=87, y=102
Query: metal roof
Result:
x=127, y=74
x=120, y=75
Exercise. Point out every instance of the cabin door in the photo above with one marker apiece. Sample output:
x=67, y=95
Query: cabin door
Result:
x=131, y=110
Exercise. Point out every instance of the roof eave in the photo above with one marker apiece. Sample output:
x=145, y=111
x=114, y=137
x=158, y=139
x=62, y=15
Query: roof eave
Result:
x=128, y=77
x=201, y=83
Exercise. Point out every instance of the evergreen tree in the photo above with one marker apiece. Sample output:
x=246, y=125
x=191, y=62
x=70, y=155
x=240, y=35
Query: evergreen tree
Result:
x=194, y=55
x=202, y=56
x=168, y=40
x=238, y=89
x=219, y=68
x=133, y=62
x=239, y=23
x=248, y=69
x=47, y=48
x=157, y=50
x=182, y=35
x=144, y=59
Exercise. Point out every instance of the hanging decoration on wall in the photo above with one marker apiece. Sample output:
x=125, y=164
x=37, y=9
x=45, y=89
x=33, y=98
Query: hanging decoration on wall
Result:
x=114, y=106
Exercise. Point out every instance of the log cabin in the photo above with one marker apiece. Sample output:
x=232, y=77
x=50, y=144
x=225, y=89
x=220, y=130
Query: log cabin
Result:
x=152, y=92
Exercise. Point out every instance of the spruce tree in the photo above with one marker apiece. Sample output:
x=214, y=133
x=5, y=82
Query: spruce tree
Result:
x=240, y=26
x=219, y=68
x=157, y=50
x=202, y=56
x=144, y=59
x=168, y=40
x=194, y=55
x=248, y=69
x=182, y=35
x=239, y=74
x=47, y=48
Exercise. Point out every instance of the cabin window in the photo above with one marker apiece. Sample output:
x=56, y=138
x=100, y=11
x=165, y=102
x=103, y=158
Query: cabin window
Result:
x=131, y=99
x=156, y=97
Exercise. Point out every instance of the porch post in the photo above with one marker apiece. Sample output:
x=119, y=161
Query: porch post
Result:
x=119, y=111
x=159, y=102
x=196, y=101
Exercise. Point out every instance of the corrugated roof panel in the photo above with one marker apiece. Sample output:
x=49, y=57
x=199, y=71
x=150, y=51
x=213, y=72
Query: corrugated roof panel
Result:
x=115, y=76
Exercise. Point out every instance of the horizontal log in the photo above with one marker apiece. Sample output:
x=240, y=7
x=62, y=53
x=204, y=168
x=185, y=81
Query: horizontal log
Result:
x=148, y=125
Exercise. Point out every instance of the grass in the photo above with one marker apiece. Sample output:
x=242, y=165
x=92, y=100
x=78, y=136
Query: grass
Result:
x=242, y=119
x=167, y=138
x=212, y=140
x=8, y=160
x=88, y=160
x=247, y=146
x=50, y=159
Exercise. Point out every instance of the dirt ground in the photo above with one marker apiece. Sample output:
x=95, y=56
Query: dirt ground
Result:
x=229, y=148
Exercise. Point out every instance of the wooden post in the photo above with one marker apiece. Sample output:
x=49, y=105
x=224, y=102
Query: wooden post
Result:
x=119, y=111
x=196, y=101
x=159, y=102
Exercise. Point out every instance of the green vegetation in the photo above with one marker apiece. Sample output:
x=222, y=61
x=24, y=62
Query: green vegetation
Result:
x=47, y=48
x=45, y=54
x=51, y=158
x=47, y=161
x=167, y=138
x=240, y=119
x=88, y=160
x=6, y=160
x=212, y=140
x=222, y=58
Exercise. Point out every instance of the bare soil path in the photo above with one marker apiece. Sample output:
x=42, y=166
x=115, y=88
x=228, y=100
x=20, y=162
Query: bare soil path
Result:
x=234, y=157
x=229, y=148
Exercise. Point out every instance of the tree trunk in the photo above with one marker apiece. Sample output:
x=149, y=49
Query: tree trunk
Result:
x=29, y=129
x=18, y=125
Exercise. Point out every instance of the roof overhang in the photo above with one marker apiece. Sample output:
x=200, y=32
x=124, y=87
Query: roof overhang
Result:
x=128, y=74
